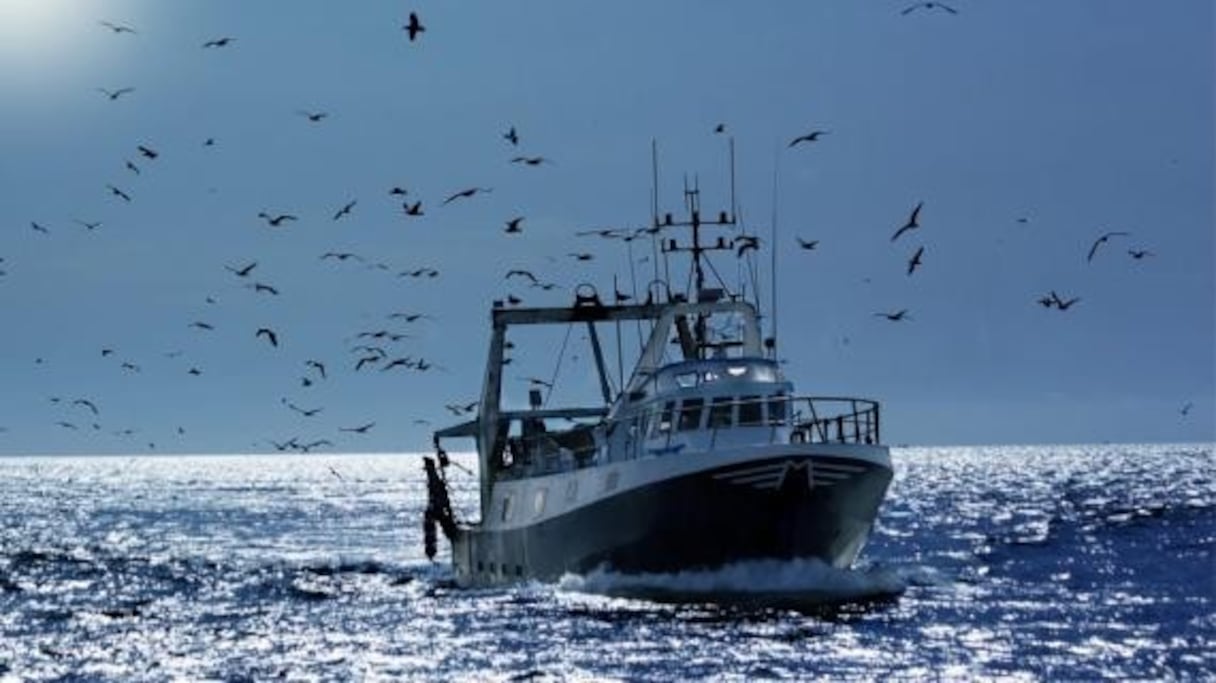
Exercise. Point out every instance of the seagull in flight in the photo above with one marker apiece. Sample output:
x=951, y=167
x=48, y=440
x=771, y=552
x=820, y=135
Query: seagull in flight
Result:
x=34, y=225
x=269, y=334
x=313, y=116
x=414, y=209
x=1139, y=253
x=915, y=261
x=913, y=222
x=531, y=161
x=414, y=27
x=345, y=210
x=1098, y=242
x=511, y=136
x=117, y=28
x=276, y=221
x=929, y=5
x=807, y=244
x=362, y=429
x=1062, y=304
x=115, y=94
x=147, y=152
x=895, y=317
x=513, y=225
x=118, y=193
x=521, y=273
x=812, y=136
x=218, y=42
x=319, y=366
x=243, y=271
x=1186, y=409
x=465, y=194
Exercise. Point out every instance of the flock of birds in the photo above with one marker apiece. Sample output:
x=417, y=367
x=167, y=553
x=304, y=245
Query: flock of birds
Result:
x=377, y=349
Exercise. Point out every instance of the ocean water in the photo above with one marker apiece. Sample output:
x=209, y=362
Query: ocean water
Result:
x=1063, y=563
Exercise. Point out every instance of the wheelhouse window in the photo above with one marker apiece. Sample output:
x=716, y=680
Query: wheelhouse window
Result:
x=690, y=414
x=776, y=409
x=662, y=425
x=751, y=411
x=721, y=412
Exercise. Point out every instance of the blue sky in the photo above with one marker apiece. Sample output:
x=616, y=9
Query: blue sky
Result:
x=1079, y=118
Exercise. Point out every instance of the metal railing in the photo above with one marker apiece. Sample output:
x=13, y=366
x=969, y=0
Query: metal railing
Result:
x=836, y=420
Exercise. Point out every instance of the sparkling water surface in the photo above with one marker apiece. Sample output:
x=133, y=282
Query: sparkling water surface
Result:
x=1066, y=562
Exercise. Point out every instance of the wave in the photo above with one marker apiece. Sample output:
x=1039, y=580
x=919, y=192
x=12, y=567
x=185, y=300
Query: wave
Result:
x=794, y=584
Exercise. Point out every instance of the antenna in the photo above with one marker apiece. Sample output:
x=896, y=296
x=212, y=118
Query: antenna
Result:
x=773, y=251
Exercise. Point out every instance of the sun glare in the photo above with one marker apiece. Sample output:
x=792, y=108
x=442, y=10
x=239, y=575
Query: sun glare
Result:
x=44, y=41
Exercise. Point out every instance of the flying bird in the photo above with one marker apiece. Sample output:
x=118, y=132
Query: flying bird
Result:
x=414, y=209
x=521, y=273
x=812, y=136
x=119, y=193
x=243, y=271
x=465, y=194
x=345, y=210
x=132, y=167
x=513, y=225
x=895, y=317
x=218, y=42
x=1062, y=304
x=1098, y=242
x=269, y=334
x=201, y=325
x=260, y=287
x=581, y=256
x=531, y=161
x=1186, y=409
x=117, y=28
x=913, y=222
x=313, y=116
x=87, y=404
x=36, y=227
x=929, y=5
x=115, y=94
x=807, y=244
x=147, y=152
x=317, y=365
x=276, y=221
x=1139, y=253
x=915, y=261
x=720, y=128
x=511, y=136
x=341, y=256
x=414, y=27
x=398, y=190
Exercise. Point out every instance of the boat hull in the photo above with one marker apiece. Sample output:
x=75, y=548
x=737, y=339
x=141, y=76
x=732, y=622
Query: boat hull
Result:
x=783, y=505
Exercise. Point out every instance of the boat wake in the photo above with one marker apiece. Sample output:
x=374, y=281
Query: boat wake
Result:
x=792, y=584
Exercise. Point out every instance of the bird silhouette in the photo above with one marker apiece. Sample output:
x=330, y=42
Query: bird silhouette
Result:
x=309, y=412
x=745, y=243
x=119, y=193
x=263, y=288
x=219, y=42
x=895, y=317
x=812, y=136
x=313, y=116
x=1139, y=253
x=511, y=136
x=316, y=365
x=581, y=256
x=37, y=227
x=513, y=226
x=1062, y=304
x=914, y=262
x=928, y=6
x=414, y=27
x=244, y=270
x=1186, y=409
x=516, y=272
x=345, y=210
x=720, y=128
x=87, y=404
x=117, y=28
x=276, y=221
x=414, y=209
x=405, y=362
x=1102, y=240
x=132, y=167
x=913, y=222
x=399, y=191
x=269, y=334
x=147, y=152
x=410, y=317
x=531, y=161
x=465, y=194
x=807, y=244
x=201, y=325
x=115, y=94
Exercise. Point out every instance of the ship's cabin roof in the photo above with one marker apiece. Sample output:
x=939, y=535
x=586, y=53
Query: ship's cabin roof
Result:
x=715, y=375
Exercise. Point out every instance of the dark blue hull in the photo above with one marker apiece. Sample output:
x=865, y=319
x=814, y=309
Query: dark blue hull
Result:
x=786, y=507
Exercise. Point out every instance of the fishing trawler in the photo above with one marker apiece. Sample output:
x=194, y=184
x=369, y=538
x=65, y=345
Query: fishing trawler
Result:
x=703, y=456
